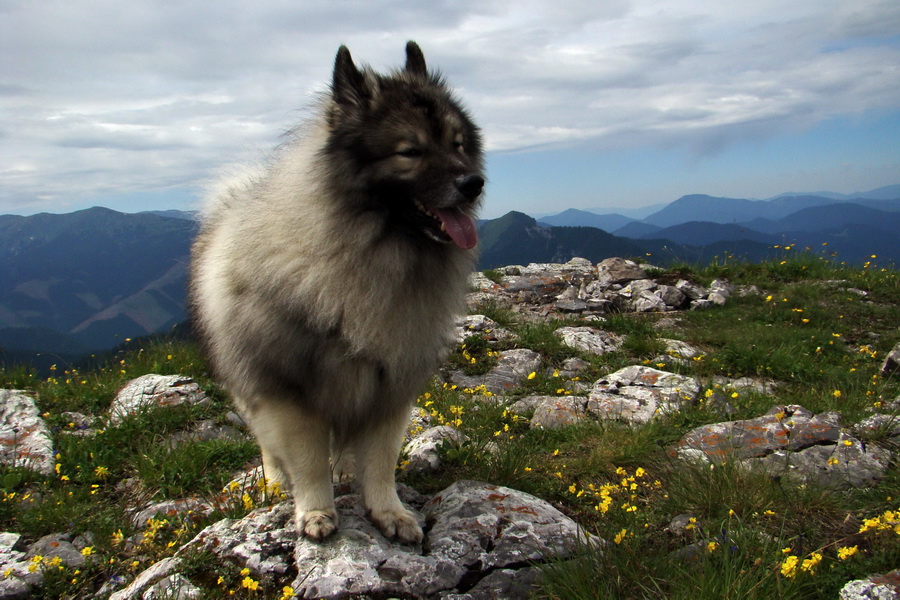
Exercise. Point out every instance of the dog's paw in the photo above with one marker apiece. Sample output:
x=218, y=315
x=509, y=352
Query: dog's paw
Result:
x=317, y=524
x=398, y=524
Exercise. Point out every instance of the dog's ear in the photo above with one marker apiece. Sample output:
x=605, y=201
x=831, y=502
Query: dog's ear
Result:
x=415, y=60
x=348, y=85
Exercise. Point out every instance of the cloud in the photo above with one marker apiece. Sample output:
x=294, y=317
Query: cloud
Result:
x=104, y=95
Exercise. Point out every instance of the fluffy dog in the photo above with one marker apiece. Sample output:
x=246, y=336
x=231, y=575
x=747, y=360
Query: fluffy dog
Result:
x=324, y=285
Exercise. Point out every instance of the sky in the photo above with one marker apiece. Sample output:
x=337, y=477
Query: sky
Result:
x=607, y=106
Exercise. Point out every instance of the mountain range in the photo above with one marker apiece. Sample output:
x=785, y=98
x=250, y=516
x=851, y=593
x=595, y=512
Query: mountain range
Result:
x=84, y=282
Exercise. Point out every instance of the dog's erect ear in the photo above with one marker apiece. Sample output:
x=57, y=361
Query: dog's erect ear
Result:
x=348, y=86
x=415, y=60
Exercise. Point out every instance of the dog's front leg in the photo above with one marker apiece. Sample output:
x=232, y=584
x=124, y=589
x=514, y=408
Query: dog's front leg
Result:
x=376, y=450
x=296, y=447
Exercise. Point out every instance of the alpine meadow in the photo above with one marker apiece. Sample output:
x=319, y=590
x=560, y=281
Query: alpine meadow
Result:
x=745, y=449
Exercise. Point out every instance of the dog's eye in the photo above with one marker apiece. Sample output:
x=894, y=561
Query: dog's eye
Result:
x=411, y=152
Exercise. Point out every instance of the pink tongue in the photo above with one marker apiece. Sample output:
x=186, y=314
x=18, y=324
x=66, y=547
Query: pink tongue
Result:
x=459, y=226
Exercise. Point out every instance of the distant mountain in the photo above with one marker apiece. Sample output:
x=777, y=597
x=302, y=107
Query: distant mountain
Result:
x=829, y=218
x=516, y=238
x=188, y=215
x=637, y=229
x=699, y=207
x=641, y=212
x=889, y=192
x=85, y=281
x=703, y=233
x=582, y=218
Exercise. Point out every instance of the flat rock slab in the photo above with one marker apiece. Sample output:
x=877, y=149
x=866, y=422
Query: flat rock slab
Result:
x=790, y=441
x=512, y=368
x=637, y=394
x=479, y=539
x=25, y=439
x=554, y=412
x=151, y=391
x=783, y=427
x=589, y=339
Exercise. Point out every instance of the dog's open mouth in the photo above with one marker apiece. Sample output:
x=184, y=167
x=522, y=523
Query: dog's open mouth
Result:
x=450, y=224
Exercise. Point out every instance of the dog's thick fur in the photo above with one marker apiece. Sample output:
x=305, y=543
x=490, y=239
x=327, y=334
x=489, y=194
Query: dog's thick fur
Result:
x=323, y=286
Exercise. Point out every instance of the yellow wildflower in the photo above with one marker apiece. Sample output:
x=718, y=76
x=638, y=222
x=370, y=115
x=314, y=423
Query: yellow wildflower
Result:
x=789, y=566
x=810, y=563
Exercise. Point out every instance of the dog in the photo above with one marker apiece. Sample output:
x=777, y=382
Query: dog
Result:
x=324, y=284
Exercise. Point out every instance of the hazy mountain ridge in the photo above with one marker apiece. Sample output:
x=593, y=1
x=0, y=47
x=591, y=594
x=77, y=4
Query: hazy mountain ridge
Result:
x=83, y=282
x=92, y=277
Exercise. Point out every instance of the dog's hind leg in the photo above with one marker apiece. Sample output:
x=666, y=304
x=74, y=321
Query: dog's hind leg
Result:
x=296, y=447
x=376, y=450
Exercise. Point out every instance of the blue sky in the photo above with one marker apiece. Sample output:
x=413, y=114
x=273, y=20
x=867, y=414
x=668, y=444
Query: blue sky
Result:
x=619, y=104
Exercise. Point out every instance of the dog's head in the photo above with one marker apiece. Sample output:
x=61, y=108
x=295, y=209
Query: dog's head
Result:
x=408, y=147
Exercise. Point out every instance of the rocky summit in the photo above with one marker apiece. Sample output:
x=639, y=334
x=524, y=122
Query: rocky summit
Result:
x=482, y=540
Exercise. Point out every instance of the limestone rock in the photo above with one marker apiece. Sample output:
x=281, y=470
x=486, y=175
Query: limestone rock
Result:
x=512, y=368
x=152, y=391
x=479, y=324
x=679, y=348
x=691, y=290
x=875, y=587
x=590, y=340
x=57, y=545
x=173, y=587
x=637, y=394
x=847, y=464
x=783, y=427
x=891, y=362
x=481, y=526
x=555, y=412
x=148, y=579
x=527, y=405
x=25, y=439
x=619, y=270
x=790, y=441
x=485, y=535
x=423, y=450
x=880, y=424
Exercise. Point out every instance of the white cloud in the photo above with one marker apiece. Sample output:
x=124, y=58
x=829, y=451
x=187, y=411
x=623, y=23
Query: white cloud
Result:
x=100, y=95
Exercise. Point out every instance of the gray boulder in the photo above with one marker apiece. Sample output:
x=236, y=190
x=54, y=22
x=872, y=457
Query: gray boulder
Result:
x=480, y=534
x=875, y=587
x=619, y=270
x=590, y=340
x=637, y=394
x=151, y=391
x=423, y=450
x=512, y=368
x=555, y=412
x=792, y=442
x=25, y=439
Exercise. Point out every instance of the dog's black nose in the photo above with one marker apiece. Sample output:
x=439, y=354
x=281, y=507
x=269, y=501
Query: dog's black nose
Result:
x=469, y=185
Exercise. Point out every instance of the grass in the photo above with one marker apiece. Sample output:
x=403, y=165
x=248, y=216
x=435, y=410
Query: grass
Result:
x=672, y=529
